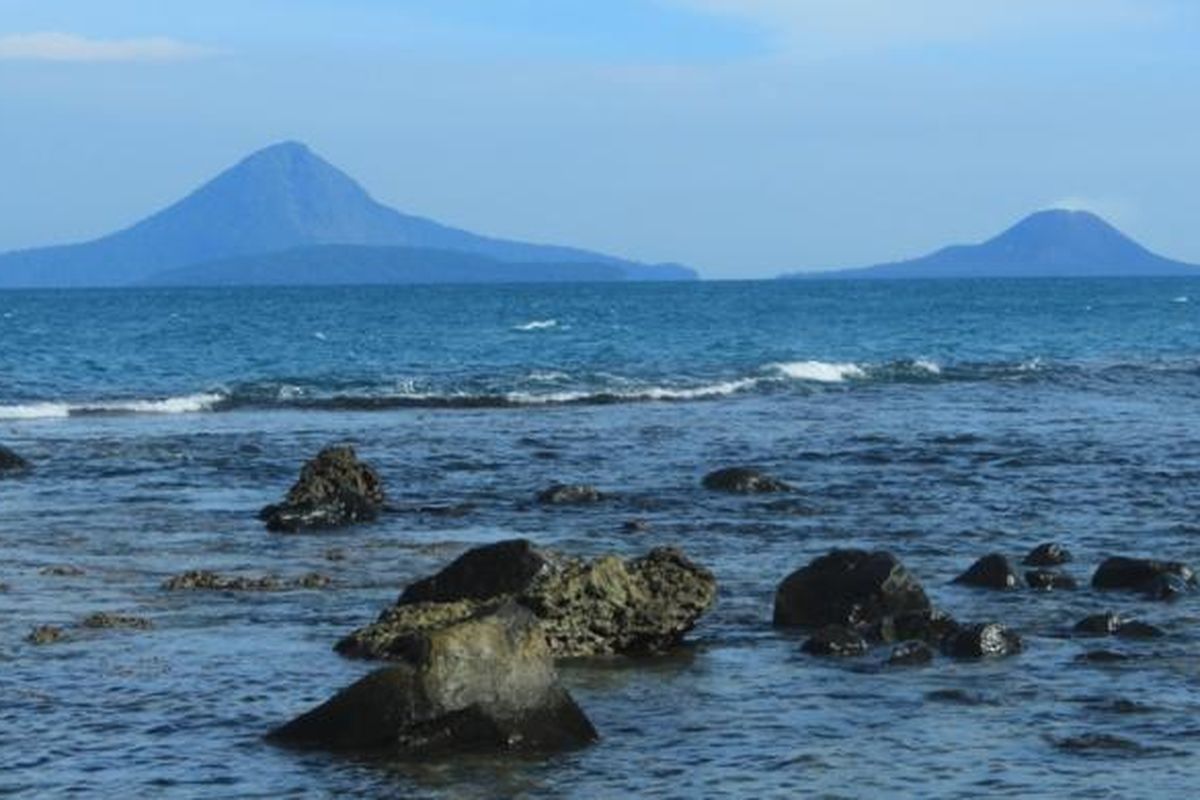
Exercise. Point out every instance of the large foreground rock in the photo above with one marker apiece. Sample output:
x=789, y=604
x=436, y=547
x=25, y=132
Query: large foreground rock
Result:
x=484, y=684
x=1160, y=580
x=334, y=489
x=586, y=608
x=11, y=463
x=848, y=587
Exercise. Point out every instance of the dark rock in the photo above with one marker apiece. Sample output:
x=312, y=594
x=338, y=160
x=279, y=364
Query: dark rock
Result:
x=848, y=587
x=835, y=640
x=586, y=608
x=1135, y=629
x=11, y=463
x=980, y=641
x=931, y=627
x=1048, y=579
x=1049, y=554
x=562, y=494
x=103, y=619
x=484, y=684
x=205, y=580
x=334, y=489
x=452, y=510
x=45, y=634
x=993, y=571
x=635, y=526
x=1106, y=624
x=743, y=480
x=61, y=571
x=335, y=554
x=1098, y=742
x=910, y=654
x=1156, y=579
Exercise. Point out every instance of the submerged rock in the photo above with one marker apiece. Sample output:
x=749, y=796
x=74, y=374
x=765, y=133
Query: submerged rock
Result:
x=11, y=463
x=605, y=606
x=61, y=571
x=930, y=627
x=563, y=494
x=1106, y=624
x=206, y=580
x=484, y=684
x=910, y=654
x=982, y=641
x=743, y=480
x=993, y=571
x=1158, y=580
x=835, y=640
x=1049, y=554
x=334, y=489
x=45, y=634
x=1048, y=579
x=848, y=587
x=103, y=619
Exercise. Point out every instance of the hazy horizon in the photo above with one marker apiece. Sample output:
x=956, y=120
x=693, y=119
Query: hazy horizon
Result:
x=744, y=139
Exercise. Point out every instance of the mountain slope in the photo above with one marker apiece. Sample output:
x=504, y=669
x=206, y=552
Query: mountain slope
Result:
x=279, y=198
x=352, y=264
x=1056, y=243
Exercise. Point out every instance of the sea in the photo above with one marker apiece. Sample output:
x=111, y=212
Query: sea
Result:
x=939, y=420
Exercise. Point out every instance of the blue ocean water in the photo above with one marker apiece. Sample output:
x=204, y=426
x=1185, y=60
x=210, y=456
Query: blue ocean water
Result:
x=939, y=420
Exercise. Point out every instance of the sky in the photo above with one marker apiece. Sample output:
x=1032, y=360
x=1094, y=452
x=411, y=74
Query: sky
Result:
x=742, y=137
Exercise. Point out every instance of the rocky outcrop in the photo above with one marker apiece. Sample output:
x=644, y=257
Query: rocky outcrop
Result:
x=104, y=619
x=835, y=640
x=848, y=587
x=605, y=606
x=205, y=580
x=743, y=480
x=1048, y=579
x=565, y=494
x=1109, y=624
x=982, y=641
x=1048, y=554
x=484, y=684
x=1158, y=580
x=993, y=571
x=334, y=489
x=11, y=463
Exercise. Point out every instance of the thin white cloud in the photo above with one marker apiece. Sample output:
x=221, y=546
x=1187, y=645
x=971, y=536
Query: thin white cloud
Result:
x=58, y=46
x=830, y=27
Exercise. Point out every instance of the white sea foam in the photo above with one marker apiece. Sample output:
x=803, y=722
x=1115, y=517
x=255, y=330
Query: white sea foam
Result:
x=185, y=404
x=1183, y=298
x=35, y=411
x=547, y=376
x=925, y=365
x=537, y=325
x=721, y=389
x=819, y=371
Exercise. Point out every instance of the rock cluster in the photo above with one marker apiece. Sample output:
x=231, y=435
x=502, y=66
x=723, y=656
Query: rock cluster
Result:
x=743, y=480
x=586, y=608
x=202, y=579
x=334, y=489
x=1157, y=580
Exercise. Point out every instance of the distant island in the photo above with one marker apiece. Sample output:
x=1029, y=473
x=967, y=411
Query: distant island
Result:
x=1048, y=244
x=285, y=216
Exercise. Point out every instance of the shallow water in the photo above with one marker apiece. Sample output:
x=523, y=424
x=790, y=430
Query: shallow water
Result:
x=940, y=421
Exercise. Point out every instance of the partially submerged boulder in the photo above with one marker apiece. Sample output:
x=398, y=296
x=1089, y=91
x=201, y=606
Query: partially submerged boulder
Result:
x=743, y=480
x=848, y=587
x=835, y=640
x=1047, y=554
x=11, y=463
x=982, y=641
x=910, y=654
x=586, y=608
x=1110, y=624
x=45, y=634
x=1158, y=580
x=1048, y=579
x=569, y=494
x=484, y=684
x=105, y=619
x=334, y=489
x=993, y=571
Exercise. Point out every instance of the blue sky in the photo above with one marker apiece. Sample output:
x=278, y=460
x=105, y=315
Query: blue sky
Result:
x=744, y=137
